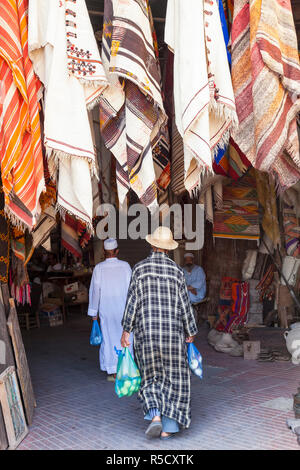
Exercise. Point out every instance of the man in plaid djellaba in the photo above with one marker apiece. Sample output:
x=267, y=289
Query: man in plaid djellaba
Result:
x=159, y=313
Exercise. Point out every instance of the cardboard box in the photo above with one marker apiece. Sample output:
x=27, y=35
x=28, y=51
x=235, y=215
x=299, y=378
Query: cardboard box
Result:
x=82, y=296
x=70, y=288
x=51, y=315
x=251, y=349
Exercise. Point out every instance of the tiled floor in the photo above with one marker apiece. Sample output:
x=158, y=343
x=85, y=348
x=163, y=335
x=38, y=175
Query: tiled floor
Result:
x=78, y=409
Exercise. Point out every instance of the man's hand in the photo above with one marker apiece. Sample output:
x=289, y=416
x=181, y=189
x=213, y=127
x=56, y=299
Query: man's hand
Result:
x=95, y=318
x=125, y=340
x=190, y=339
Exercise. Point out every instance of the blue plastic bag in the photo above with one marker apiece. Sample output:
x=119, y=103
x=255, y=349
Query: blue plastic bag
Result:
x=195, y=360
x=96, y=335
x=128, y=379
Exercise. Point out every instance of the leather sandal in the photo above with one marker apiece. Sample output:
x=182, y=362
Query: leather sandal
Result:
x=154, y=429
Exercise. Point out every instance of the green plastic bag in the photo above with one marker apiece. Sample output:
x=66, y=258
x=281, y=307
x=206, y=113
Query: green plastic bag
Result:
x=128, y=380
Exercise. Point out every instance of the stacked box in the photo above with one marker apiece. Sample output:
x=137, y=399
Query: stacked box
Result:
x=51, y=315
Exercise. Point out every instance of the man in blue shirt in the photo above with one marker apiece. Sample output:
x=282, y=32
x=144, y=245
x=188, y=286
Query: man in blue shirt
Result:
x=195, y=279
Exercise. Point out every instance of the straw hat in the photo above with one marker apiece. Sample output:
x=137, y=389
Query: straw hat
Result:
x=162, y=238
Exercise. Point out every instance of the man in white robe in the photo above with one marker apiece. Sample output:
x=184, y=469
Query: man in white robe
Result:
x=107, y=298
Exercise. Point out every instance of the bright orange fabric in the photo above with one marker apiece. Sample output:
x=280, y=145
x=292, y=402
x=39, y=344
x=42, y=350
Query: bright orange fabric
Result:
x=21, y=156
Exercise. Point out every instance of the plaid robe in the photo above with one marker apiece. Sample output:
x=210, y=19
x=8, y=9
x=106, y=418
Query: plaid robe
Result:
x=159, y=313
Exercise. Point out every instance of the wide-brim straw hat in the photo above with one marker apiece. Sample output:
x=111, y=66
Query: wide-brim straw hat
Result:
x=162, y=237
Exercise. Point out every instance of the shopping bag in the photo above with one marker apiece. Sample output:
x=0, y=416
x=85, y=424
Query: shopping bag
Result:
x=96, y=335
x=128, y=379
x=195, y=360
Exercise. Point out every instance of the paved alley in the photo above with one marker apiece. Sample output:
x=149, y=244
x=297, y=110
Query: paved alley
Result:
x=232, y=407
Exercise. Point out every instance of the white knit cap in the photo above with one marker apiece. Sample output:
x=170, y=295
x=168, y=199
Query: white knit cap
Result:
x=110, y=244
x=188, y=255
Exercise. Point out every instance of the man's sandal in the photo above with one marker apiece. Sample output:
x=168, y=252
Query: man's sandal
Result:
x=154, y=429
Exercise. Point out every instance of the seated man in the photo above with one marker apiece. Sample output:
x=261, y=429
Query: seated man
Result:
x=195, y=279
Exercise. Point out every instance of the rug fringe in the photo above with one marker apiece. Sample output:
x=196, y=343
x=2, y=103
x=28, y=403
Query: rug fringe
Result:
x=205, y=172
x=16, y=221
x=225, y=112
x=54, y=156
x=93, y=103
x=62, y=211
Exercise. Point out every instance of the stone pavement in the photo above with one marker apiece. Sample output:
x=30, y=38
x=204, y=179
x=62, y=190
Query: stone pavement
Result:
x=78, y=409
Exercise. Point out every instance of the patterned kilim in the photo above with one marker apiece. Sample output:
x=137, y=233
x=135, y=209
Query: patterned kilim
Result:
x=232, y=163
x=239, y=218
x=71, y=231
x=240, y=305
x=225, y=300
x=161, y=144
x=20, y=137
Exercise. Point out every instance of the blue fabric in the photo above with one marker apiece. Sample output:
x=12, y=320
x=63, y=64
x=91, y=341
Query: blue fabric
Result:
x=222, y=151
x=225, y=29
x=196, y=278
x=168, y=424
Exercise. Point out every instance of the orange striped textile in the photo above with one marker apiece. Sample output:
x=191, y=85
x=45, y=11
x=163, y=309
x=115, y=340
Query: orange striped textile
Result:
x=21, y=157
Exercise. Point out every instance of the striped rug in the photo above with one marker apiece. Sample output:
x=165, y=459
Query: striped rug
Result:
x=20, y=137
x=266, y=82
x=131, y=108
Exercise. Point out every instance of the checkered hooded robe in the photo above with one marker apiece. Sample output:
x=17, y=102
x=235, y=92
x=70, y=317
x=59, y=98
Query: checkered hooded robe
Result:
x=159, y=313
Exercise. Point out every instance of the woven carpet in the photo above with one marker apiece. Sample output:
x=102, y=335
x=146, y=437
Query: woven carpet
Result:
x=239, y=217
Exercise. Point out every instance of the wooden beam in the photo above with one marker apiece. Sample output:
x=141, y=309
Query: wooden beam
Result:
x=21, y=362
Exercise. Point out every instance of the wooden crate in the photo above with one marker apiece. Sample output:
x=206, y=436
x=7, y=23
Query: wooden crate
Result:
x=251, y=350
x=21, y=362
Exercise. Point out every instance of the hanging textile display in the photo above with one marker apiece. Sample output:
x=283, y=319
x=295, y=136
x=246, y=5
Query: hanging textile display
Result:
x=224, y=27
x=225, y=301
x=41, y=232
x=19, y=281
x=232, y=163
x=204, y=101
x=239, y=218
x=74, y=235
x=266, y=81
x=20, y=137
x=177, y=152
x=240, y=305
x=211, y=194
x=4, y=240
x=267, y=199
x=48, y=197
x=161, y=143
x=18, y=243
x=291, y=220
x=65, y=56
x=131, y=108
x=229, y=161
